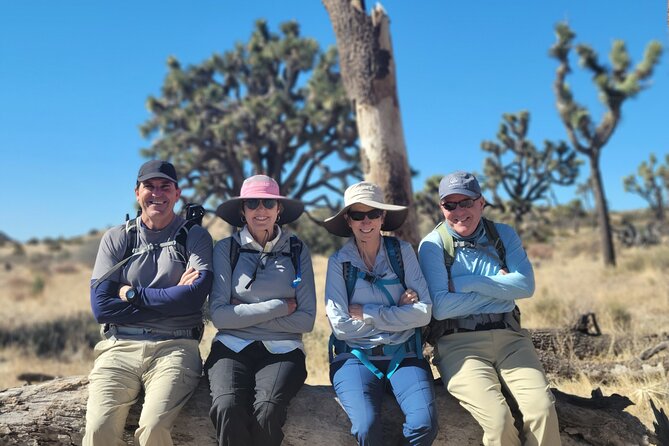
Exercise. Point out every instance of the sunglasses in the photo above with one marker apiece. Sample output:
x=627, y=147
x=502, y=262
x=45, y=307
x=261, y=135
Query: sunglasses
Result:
x=466, y=203
x=360, y=216
x=253, y=203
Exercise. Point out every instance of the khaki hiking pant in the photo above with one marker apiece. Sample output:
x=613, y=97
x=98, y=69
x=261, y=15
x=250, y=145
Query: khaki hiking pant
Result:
x=169, y=372
x=475, y=365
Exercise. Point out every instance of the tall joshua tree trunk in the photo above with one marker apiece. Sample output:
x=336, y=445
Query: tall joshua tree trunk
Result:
x=368, y=70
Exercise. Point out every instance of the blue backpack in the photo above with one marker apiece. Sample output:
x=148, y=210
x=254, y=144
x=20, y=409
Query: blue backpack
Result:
x=351, y=275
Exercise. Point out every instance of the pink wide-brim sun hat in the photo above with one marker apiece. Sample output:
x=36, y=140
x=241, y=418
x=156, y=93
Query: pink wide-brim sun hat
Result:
x=371, y=195
x=262, y=187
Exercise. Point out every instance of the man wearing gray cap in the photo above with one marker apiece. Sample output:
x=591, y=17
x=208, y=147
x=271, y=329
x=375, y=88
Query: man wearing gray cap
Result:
x=475, y=269
x=150, y=280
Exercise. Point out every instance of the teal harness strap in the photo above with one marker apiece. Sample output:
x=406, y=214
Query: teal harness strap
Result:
x=400, y=351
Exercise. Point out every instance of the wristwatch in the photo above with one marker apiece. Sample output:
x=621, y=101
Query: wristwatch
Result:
x=131, y=295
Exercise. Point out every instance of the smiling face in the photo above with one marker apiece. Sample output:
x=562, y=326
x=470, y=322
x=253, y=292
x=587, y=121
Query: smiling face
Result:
x=366, y=229
x=464, y=221
x=156, y=198
x=260, y=221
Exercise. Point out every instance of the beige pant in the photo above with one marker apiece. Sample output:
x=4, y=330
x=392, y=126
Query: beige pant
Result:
x=168, y=371
x=475, y=365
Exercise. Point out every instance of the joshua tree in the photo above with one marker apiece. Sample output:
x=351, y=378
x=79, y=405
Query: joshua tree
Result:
x=651, y=183
x=615, y=84
x=274, y=105
x=525, y=173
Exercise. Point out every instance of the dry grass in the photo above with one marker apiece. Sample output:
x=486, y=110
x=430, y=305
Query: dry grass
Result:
x=571, y=280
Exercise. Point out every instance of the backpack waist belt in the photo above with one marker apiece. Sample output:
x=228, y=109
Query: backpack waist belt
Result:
x=480, y=322
x=396, y=354
x=110, y=330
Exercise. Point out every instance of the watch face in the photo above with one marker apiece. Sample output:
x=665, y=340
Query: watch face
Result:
x=131, y=294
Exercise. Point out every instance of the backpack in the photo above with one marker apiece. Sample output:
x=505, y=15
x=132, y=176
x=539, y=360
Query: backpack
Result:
x=351, y=275
x=194, y=214
x=436, y=328
x=295, y=254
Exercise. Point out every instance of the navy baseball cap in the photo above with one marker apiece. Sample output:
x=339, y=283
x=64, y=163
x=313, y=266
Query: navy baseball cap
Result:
x=459, y=182
x=157, y=169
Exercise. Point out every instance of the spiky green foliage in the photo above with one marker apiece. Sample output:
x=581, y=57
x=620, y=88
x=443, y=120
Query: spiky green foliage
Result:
x=274, y=105
x=615, y=84
x=427, y=200
x=651, y=183
x=524, y=173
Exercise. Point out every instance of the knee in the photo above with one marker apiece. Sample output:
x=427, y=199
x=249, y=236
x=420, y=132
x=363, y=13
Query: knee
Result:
x=98, y=432
x=227, y=407
x=421, y=427
x=542, y=408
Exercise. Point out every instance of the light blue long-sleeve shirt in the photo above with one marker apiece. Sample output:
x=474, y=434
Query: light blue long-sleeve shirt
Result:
x=382, y=323
x=479, y=288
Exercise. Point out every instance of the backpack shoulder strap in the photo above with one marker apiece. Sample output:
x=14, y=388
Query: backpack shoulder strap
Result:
x=350, y=274
x=447, y=241
x=493, y=236
x=394, y=251
x=234, y=253
x=130, y=237
x=448, y=251
x=182, y=237
x=295, y=257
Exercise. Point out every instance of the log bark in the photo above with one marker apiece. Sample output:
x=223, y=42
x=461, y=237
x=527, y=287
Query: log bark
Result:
x=53, y=413
x=368, y=70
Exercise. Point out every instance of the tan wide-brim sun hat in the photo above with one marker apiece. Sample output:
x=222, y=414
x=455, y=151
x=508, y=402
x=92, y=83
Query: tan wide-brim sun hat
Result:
x=371, y=195
x=262, y=187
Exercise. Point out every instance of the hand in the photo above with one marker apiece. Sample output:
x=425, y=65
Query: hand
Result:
x=235, y=301
x=502, y=272
x=292, y=305
x=355, y=311
x=189, y=276
x=122, y=290
x=409, y=297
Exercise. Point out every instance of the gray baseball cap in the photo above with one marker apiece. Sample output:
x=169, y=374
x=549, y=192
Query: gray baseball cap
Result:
x=459, y=182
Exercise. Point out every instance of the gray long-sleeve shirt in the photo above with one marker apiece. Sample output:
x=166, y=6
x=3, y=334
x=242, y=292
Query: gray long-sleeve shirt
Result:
x=263, y=313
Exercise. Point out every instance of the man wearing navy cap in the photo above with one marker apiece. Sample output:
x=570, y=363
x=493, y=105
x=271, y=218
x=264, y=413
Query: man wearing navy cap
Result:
x=481, y=347
x=150, y=280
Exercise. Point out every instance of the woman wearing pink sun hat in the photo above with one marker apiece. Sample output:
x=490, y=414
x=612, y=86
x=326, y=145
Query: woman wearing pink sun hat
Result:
x=262, y=300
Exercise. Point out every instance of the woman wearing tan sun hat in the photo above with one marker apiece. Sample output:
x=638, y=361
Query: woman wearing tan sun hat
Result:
x=262, y=300
x=376, y=301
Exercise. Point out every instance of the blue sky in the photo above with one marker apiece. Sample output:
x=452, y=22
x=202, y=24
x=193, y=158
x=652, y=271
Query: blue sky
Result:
x=75, y=76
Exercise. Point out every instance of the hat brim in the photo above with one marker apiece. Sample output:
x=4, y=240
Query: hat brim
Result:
x=230, y=211
x=395, y=216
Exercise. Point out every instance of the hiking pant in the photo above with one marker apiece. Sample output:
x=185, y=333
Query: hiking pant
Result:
x=475, y=365
x=250, y=392
x=167, y=370
x=361, y=393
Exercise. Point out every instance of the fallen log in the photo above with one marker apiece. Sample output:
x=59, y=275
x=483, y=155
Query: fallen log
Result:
x=53, y=413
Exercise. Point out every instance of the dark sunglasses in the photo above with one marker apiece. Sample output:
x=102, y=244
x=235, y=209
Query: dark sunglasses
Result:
x=360, y=216
x=253, y=203
x=466, y=203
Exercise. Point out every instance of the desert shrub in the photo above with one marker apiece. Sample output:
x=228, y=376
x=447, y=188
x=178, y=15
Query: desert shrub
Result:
x=55, y=338
x=65, y=268
x=33, y=241
x=19, y=250
x=621, y=317
x=37, y=285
